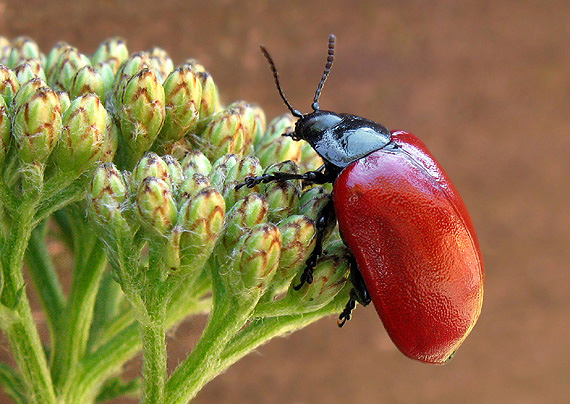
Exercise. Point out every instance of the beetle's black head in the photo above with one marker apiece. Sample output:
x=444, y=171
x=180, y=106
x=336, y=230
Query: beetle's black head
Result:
x=339, y=139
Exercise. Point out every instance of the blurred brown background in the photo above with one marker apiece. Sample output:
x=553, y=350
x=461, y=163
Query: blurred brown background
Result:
x=485, y=84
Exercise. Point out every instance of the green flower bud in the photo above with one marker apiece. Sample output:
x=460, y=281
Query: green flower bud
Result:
x=156, y=206
x=111, y=141
x=130, y=66
x=249, y=113
x=210, y=102
x=247, y=167
x=5, y=50
x=174, y=170
x=23, y=48
x=67, y=66
x=260, y=124
x=4, y=131
x=37, y=125
x=282, y=198
x=83, y=135
x=53, y=58
x=329, y=278
x=113, y=51
x=244, y=215
x=9, y=85
x=29, y=69
x=224, y=133
x=26, y=91
x=183, y=92
x=310, y=160
x=88, y=80
x=255, y=260
x=274, y=147
x=107, y=192
x=221, y=168
x=298, y=241
x=201, y=220
x=151, y=165
x=107, y=74
x=141, y=112
x=64, y=100
x=161, y=62
x=194, y=65
x=192, y=185
x=195, y=162
x=312, y=201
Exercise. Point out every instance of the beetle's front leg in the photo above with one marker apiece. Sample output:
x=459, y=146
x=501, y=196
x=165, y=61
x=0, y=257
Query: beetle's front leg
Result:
x=313, y=177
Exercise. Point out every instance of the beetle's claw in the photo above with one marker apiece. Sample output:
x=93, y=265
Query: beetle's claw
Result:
x=249, y=182
x=306, y=277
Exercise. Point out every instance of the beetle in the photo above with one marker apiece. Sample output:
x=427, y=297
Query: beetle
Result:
x=415, y=254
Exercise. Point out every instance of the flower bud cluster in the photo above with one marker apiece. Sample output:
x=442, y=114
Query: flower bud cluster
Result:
x=112, y=113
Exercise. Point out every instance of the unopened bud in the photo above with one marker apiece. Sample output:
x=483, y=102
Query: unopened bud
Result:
x=67, y=66
x=37, y=125
x=156, y=206
x=23, y=48
x=329, y=277
x=113, y=51
x=8, y=85
x=88, y=80
x=210, y=102
x=274, y=147
x=141, y=113
x=106, y=193
x=201, y=220
x=255, y=260
x=298, y=242
x=151, y=165
x=161, y=62
x=183, y=93
x=29, y=69
x=195, y=162
x=244, y=215
x=83, y=135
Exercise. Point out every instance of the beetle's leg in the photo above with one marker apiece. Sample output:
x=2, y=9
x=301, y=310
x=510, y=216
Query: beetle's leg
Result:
x=325, y=218
x=313, y=177
x=358, y=293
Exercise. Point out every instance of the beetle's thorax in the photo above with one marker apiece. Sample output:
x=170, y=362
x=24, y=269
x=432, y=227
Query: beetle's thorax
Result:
x=341, y=139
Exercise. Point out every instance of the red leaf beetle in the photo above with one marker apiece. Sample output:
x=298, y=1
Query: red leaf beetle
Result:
x=415, y=252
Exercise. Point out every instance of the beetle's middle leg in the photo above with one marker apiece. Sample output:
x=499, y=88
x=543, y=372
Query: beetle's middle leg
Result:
x=325, y=218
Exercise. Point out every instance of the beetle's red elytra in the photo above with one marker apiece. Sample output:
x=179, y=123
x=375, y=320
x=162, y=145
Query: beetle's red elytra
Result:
x=415, y=252
x=415, y=247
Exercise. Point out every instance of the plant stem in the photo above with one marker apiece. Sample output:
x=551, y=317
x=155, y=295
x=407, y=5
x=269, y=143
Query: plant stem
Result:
x=154, y=360
x=74, y=333
x=41, y=270
x=21, y=329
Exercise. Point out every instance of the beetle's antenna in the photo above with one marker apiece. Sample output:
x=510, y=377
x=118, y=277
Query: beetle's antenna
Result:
x=328, y=66
x=294, y=111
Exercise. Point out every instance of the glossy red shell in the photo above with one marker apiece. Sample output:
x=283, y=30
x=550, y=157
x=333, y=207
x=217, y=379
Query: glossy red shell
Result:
x=415, y=246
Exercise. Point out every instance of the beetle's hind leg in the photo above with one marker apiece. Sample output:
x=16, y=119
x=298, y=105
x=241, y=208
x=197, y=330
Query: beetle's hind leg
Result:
x=358, y=293
x=324, y=220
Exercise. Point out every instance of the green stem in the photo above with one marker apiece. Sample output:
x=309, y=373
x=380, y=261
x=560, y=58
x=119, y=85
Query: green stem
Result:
x=262, y=330
x=21, y=329
x=154, y=360
x=72, y=338
x=228, y=316
x=12, y=384
x=95, y=368
x=44, y=277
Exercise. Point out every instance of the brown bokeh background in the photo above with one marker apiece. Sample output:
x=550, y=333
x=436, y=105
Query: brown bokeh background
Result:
x=485, y=84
